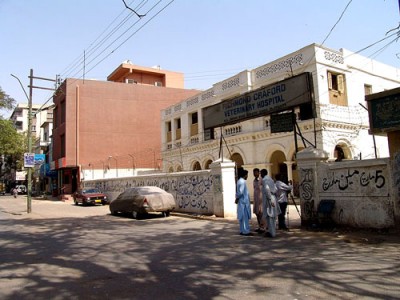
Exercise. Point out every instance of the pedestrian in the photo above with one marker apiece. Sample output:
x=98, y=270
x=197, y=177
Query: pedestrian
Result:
x=257, y=200
x=282, y=192
x=243, y=203
x=270, y=207
x=15, y=192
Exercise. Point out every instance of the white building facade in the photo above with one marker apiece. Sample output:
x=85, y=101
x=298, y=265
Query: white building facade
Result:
x=340, y=80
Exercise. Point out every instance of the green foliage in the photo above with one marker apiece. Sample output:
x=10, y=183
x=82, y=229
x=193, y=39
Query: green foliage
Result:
x=12, y=145
x=6, y=102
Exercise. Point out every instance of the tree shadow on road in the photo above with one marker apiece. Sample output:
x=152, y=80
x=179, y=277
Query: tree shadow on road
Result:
x=106, y=257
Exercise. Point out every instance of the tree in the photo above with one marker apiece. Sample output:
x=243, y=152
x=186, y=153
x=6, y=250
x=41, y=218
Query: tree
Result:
x=12, y=147
x=6, y=102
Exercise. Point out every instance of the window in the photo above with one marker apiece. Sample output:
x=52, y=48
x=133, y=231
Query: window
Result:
x=337, y=89
x=336, y=82
x=158, y=83
x=178, y=129
x=367, y=89
x=194, y=126
x=169, y=129
x=194, y=118
x=131, y=81
x=178, y=123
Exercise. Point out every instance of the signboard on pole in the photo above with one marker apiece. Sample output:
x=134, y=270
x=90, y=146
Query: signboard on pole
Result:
x=29, y=160
x=282, y=122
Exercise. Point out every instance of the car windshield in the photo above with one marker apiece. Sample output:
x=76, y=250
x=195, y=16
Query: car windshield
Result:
x=91, y=191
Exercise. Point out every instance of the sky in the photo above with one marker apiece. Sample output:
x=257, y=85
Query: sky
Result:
x=207, y=40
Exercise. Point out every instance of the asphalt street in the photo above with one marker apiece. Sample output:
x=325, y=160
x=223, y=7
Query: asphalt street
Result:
x=63, y=251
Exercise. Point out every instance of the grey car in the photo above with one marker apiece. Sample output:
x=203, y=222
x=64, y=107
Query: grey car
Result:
x=139, y=201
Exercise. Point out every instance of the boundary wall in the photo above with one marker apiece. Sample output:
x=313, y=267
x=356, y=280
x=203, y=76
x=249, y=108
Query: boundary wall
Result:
x=366, y=192
x=206, y=192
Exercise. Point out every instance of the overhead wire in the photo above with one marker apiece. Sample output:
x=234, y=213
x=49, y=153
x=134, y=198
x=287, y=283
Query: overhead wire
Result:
x=122, y=43
x=140, y=5
x=95, y=46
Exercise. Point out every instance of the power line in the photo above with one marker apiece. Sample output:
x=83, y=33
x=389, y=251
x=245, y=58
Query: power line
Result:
x=93, y=47
x=337, y=22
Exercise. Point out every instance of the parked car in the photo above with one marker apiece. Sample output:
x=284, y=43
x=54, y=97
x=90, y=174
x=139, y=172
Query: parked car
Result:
x=139, y=201
x=21, y=189
x=90, y=196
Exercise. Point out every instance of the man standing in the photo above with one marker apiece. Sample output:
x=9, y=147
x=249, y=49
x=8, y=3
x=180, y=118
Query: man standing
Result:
x=243, y=203
x=257, y=203
x=282, y=196
x=271, y=209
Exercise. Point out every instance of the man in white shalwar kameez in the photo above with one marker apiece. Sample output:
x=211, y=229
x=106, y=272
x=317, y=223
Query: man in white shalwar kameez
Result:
x=271, y=208
x=243, y=203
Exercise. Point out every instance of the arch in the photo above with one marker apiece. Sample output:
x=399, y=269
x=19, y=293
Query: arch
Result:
x=170, y=169
x=342, y=151
x=207, y=164
x=277, y=164
x=179, y=168
x=238, y=159
x=196, y=166
x=273, y=148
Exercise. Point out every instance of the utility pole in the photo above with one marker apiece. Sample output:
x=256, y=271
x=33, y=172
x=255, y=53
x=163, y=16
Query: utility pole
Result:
x=29, y=193
x=31, y=87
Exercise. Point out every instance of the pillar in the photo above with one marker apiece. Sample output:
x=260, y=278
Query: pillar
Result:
x=289, y=165
x=307, y=161
x=224, y=188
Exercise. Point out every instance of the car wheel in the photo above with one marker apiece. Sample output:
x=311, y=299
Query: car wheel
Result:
x=165, y=214
x=76, y=202
x=113, y=212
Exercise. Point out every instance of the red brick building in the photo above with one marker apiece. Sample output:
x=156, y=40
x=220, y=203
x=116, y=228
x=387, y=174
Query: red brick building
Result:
x=111, y=125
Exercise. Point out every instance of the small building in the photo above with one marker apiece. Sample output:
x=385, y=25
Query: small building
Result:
x=108, y=129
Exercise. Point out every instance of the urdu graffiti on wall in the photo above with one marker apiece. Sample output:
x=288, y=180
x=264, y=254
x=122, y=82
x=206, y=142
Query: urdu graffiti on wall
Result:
x=192, y=192
x=352, y=180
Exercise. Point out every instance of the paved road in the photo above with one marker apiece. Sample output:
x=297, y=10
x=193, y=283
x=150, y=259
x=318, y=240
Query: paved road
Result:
x=61, y=251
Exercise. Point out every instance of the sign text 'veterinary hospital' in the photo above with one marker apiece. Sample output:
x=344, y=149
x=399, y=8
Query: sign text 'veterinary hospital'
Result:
x=263, y=101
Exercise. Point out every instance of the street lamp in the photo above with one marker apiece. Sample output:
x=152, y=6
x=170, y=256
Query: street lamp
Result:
x=133, y=164
x=91, y=165
x=29, y=192
x=102, y=162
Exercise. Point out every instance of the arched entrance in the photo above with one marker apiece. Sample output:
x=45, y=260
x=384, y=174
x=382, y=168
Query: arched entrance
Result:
x=196, y=166
x=207, y=164
x=238, y=159
x=277, y=164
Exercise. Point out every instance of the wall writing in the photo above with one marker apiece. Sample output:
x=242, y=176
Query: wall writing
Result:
x=193, y=193
x=356, y=181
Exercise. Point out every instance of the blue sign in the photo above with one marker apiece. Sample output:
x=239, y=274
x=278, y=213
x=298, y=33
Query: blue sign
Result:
x=40, y=159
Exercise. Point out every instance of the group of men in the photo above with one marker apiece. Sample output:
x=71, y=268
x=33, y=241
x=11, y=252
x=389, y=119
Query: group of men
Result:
x=270, y=202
